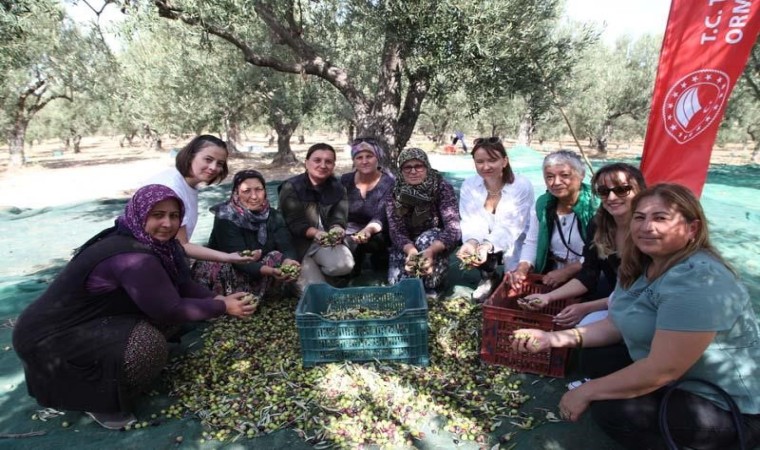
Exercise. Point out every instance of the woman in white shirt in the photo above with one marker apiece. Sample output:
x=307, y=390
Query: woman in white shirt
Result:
x=495, y=210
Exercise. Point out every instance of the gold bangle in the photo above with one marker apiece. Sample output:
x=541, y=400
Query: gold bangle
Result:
x=578, y=338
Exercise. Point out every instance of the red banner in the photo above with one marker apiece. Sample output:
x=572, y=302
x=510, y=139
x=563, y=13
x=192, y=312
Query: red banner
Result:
x=704, y=51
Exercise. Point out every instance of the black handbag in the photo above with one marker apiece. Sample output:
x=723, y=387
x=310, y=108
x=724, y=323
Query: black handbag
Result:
x=736, y=415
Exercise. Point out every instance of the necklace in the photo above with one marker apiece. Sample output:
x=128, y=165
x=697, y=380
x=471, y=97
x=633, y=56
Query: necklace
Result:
x=494, y=193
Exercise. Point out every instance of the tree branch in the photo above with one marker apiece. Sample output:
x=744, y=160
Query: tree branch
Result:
x=311, y=64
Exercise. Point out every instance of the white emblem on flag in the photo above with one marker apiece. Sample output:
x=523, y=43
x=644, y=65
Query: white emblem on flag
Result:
x=693, y=103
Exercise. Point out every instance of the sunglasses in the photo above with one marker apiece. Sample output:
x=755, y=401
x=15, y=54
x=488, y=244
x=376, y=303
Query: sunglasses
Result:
x=488, y=140
x=620, y=191
x=413, y=168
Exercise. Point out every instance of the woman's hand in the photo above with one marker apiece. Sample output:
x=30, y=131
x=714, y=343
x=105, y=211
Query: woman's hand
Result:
x=337, y=229
x=574, y=403
x=555, y=278
x=235, y=306
x=530, y=341
x=482, y=252
x=237, y=258
x=534, y=302
x=517, y=277
x=466, y=250
x=290, y=276
x=427, y=263
x=571, y=315
x=362, y=236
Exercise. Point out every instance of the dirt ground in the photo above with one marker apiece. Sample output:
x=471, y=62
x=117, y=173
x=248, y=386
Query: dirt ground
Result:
x=103, y=169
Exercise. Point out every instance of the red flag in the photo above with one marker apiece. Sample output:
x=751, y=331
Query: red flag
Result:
x=706, y=46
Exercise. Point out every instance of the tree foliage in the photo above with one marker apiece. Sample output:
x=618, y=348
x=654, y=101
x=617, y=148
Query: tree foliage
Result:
x=386, y=57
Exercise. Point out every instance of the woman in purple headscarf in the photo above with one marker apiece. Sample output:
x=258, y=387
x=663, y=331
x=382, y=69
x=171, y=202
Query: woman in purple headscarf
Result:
x=93, y=339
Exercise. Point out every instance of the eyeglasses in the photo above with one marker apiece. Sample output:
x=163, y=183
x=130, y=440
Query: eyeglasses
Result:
x=413, y=168
x=488, y=140
x=620, y=191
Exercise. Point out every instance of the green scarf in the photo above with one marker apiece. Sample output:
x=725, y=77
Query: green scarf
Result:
x=546, y=210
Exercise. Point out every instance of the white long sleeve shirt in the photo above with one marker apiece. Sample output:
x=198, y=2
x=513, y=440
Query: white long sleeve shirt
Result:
x=507, y=227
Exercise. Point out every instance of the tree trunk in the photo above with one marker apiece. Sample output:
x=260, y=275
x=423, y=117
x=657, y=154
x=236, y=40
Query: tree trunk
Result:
x=285, y=155
x=756, y=154
x=351, y=132
x=602, y=138
x=526, y=129
x=16, y=143
x=77, y=139
x=66, y=144
x=233, y=135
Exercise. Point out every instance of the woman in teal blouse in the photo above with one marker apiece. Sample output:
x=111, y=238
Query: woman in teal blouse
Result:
x=682, y=314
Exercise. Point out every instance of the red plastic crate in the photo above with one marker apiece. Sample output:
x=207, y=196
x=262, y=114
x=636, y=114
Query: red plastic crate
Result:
x=502, y=316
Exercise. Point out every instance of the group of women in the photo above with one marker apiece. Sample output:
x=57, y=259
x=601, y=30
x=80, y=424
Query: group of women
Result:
x=98, y=333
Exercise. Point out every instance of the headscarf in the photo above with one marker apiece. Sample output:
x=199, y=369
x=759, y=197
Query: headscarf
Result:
x=135, y=215
x=416, y=201
x=234, y=211
x=362, y=145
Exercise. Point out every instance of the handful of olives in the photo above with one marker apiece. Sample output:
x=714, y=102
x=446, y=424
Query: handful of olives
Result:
x=246, y=252
x=291, y=271
x=250, y=299
x=468, y=262
x=331, y=238
x=417, y=267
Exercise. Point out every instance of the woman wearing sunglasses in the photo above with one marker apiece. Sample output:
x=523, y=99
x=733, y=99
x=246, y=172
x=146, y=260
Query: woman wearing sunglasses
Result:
x=366, y=187
x=616, y=185
x=557, y=234
x=423, y=222
x=688, y=376
x=495, y=207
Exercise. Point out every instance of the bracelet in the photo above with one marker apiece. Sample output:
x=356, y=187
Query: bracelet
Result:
x=578, y=338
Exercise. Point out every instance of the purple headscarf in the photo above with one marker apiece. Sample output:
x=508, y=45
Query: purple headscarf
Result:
x=136, y=215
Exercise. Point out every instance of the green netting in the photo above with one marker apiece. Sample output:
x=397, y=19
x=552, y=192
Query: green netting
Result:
x=38, y=243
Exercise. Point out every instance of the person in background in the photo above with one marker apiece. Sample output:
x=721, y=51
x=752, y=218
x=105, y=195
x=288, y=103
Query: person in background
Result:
x=366, y=188
x=315, y=207
x=459, y=137
x=247, y=222
x=95, y=338
x=616, y=185
x=495, y=209
x=557, y=233
x=423, y=222
x=203, y=161
x=684, y=317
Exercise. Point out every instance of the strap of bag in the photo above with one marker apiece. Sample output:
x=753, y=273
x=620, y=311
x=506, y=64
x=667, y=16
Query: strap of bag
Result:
x=736, y=415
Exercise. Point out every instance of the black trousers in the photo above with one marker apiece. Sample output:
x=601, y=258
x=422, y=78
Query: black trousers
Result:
x=694, y=422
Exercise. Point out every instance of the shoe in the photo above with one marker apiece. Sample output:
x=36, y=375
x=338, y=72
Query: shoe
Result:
x=484, y=289
x=113, y=421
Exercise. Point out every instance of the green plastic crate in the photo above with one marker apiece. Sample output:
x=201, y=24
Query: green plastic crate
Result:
x=403, y=338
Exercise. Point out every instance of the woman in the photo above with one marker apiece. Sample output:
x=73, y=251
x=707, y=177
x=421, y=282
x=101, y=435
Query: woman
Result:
x=423, y=221
x=366, y=188
x=616, y=185
x=495, y=207
x=682, y=314
x=93, y=339
x=202, y=161
x=315, y=207
x=246, y=222
x=554, y=245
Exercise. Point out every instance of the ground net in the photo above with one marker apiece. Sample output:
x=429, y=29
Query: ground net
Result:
x=38, y=242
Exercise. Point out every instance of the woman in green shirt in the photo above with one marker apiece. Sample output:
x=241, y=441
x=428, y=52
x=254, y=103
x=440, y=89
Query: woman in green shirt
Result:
x=682, y=314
